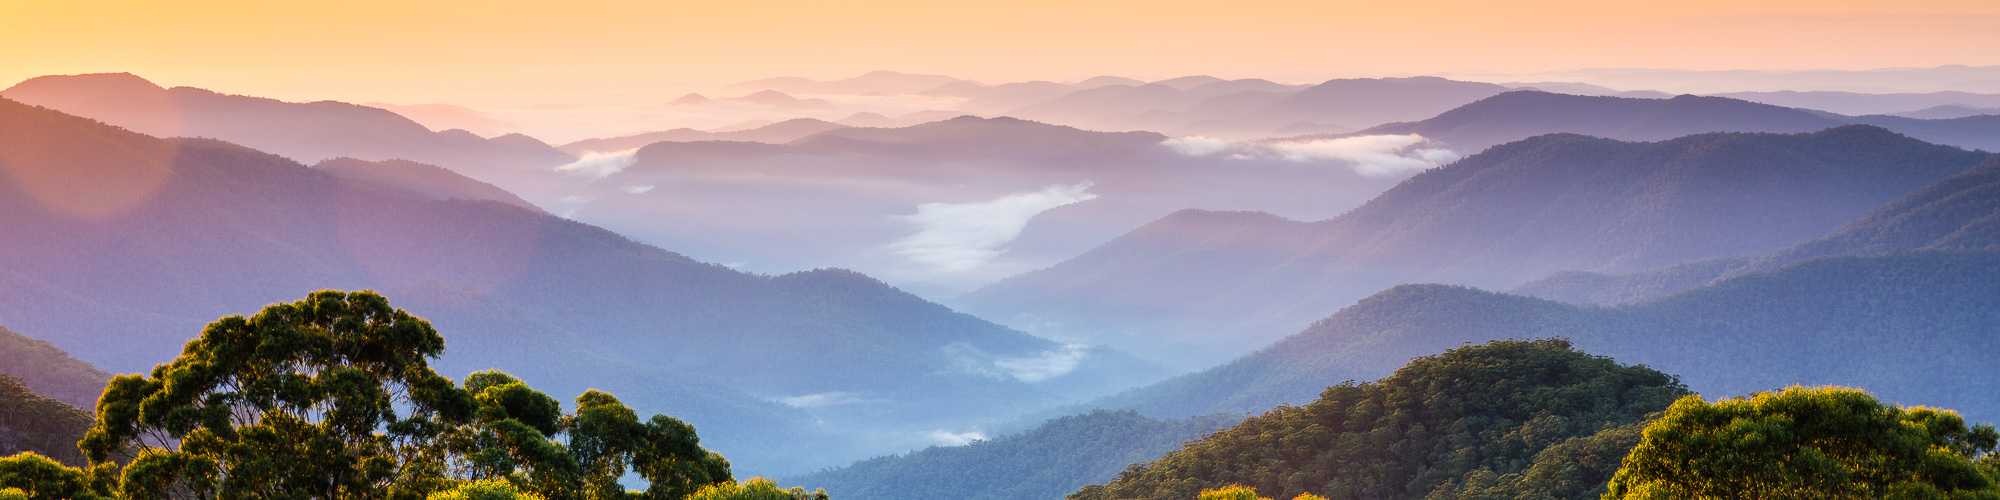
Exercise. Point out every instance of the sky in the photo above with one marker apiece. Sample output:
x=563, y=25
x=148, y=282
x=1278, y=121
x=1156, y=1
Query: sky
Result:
x=528, y=53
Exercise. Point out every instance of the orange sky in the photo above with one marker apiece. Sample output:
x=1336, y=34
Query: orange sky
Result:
x=591, y=50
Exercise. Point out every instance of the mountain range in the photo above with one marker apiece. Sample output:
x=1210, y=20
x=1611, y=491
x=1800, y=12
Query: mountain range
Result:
x=1961, y=212
x=121, y=246
x=1525, y=113
x=1212, y=285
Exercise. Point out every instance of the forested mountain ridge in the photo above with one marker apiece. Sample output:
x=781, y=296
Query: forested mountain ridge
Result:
x=1912, y=327
x=1958, y=212
x=1437, y=423
x=121, y=246
x=1216, y=283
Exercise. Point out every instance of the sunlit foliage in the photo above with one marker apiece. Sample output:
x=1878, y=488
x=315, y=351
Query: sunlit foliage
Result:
x=756, y=488
x=1809, y=442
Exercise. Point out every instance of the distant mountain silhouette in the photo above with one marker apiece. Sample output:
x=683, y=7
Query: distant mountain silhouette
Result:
x=1961, y=212
x=867, y=119
x=1249, y=108
x=1522, y=114
x=1365, y=102
x=1899, y=325
x=776, y=133
x=1202, y=286
x=305, y=132
x=121, y=246
x=692, y=99
x=1856, y=103
x=783, y=100
x=1947, y=112
x=874, y=82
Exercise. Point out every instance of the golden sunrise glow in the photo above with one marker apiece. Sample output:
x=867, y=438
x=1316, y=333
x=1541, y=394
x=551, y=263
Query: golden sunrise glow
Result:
x=427, y=50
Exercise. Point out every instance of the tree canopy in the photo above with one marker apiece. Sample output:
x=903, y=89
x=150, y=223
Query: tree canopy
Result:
x=1809, y=442
x=332, y=397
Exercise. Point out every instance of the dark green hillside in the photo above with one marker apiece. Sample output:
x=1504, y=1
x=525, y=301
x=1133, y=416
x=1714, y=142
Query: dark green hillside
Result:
x=1508, y=412
x=1914, y=328
x=47, y=370
x=31, y=422
x=1046, y=462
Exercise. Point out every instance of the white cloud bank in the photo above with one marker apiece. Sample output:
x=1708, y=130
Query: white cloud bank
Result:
x=1031, y=368
x=1368, y=155
x=825, y=399
x=600, y=165
x=958, y=237
x=947, y=438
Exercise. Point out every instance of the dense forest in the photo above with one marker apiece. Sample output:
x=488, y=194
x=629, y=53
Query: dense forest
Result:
x=1046, y=462
x=1523, y=415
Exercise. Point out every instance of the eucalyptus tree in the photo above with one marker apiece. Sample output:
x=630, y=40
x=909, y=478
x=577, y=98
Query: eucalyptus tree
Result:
x=332, y=397
x=1809, y=443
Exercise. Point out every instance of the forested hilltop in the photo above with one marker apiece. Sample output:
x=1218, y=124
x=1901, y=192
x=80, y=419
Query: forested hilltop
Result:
x=1536, y=416
x=1538, y=419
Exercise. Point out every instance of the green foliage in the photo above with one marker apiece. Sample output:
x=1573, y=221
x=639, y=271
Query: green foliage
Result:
x=756, y=488
x=1439, y=422
x=37, y=477
x=331, y=397
x=1046, y=462
x=32, y=423
x=487, y=489
x=1231, y=492
x=1808, y=442
x=284, y=404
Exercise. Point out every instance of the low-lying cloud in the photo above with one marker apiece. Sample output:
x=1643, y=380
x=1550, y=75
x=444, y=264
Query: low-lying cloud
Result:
x=1368, y=155
x=600, y=165
x=1034, y=367
x=1043, y=366
x=825, y=399
x=948, y=438
x=957, y=237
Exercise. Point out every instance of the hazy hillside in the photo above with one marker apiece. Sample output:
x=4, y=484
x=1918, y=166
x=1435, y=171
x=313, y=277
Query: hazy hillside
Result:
x=305, y=132
x=776, y=133
x=1044, y=463
x=1910, y=327
x=1959, y=212
x=1514, y=414
x=121, y=246
x=1211, y=286
x=433, y=181
x=49, y=371
x=1521, y=114
x=1250, y=108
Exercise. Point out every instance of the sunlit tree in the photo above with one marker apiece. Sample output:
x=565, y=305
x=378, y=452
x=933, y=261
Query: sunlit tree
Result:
x=1808, y=442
